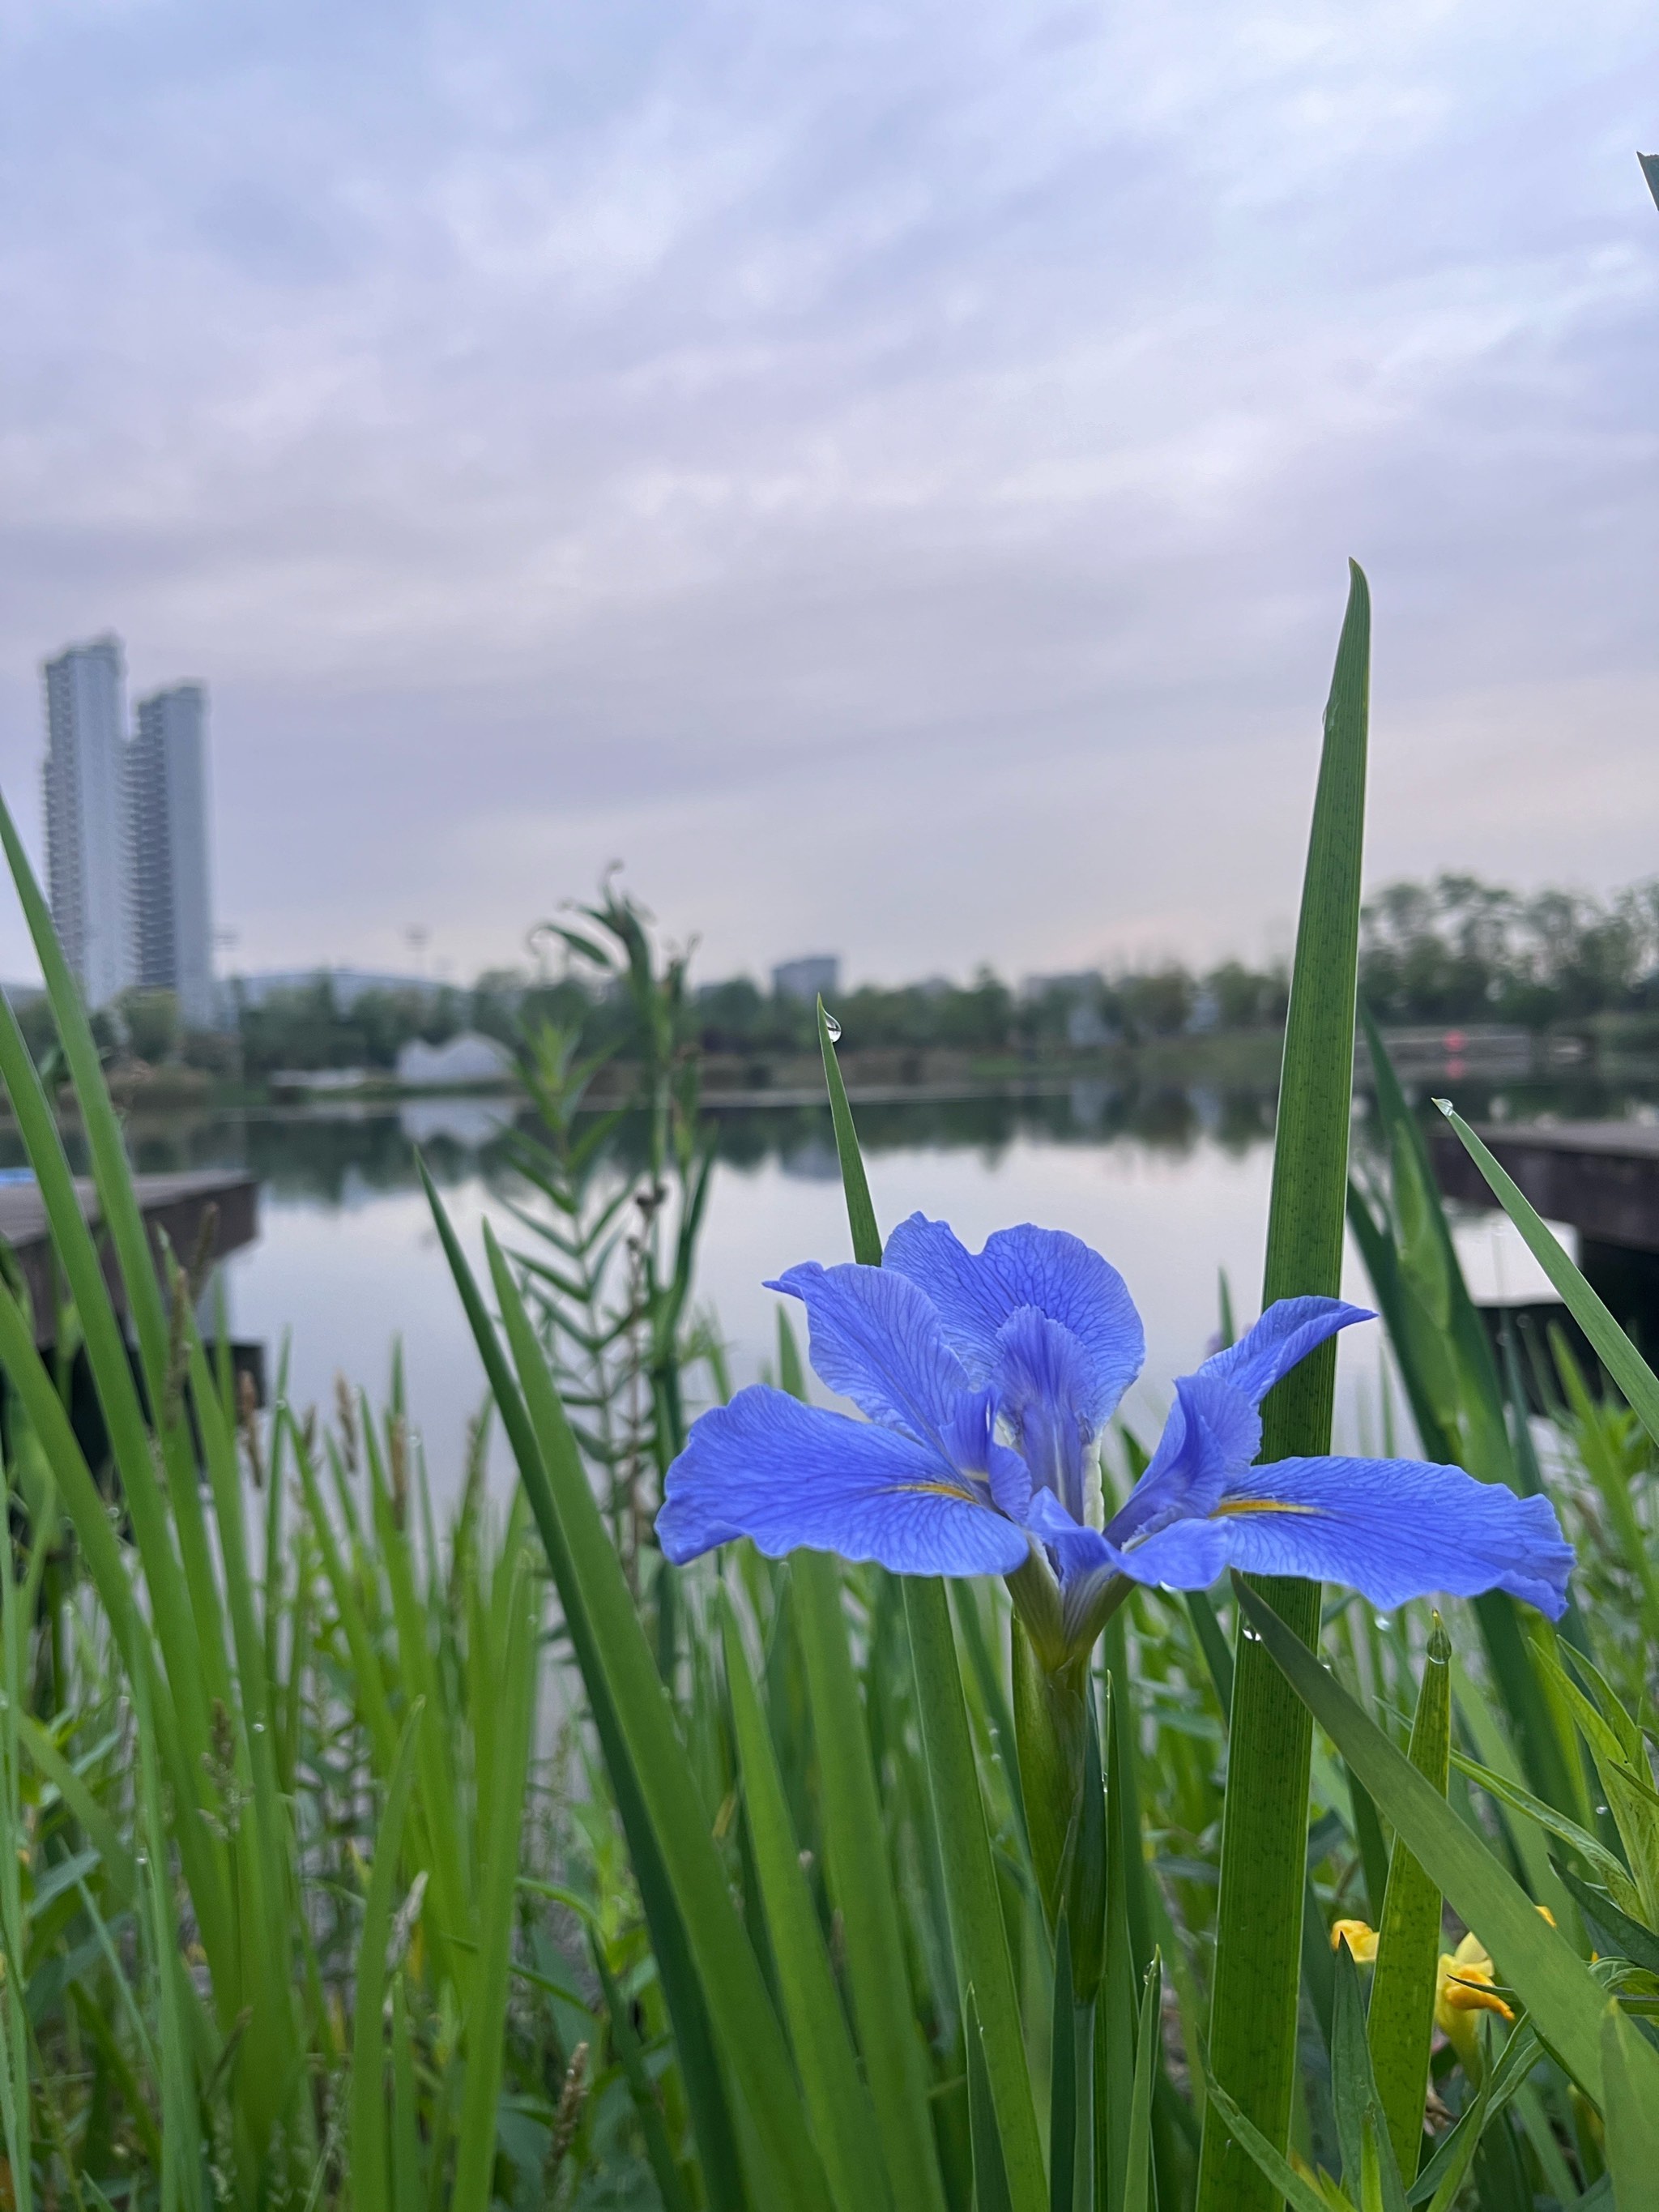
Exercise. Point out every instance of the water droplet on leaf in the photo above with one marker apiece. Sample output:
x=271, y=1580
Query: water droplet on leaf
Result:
x=831, y=1028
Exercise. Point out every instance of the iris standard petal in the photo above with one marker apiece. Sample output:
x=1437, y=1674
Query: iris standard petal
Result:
x=1394, y=1528
x=1212, y=1431
x=1045, y=1387
x=875, y=1338
x=1286, y=1333
x=1047, y=1268
x=789, y=1475
x=970, y=1447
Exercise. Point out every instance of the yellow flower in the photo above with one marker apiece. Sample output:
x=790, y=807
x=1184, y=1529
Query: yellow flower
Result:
x=1463, y=1987
x=1360, y=1938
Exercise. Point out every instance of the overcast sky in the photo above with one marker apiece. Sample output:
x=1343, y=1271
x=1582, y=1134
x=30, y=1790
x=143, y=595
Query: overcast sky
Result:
x=885, y=473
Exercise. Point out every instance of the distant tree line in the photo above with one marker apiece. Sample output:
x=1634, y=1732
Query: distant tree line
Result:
x=1460, y=950
x=1454, y=950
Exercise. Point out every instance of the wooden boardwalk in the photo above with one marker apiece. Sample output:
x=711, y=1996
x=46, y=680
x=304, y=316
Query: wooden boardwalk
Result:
x=175, y=1206
x=1602, y=1177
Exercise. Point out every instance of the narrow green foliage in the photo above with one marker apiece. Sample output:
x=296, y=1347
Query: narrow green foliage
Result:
x=510, y=1631
x=619, y=1670
x=860, y=1883
x=1139, y=2193
x=1369, y=2166
x=1623, y=1362
x=1632, y=2111
x=1559, y=1994
x=1063, y=2130
x=860, y=1213
x=977, y=1928
x=1259, y=1926
x=990, y=2190
x=369, y=2141
x=1400, y=2023
x=1279, y=2175
x=835, y=2098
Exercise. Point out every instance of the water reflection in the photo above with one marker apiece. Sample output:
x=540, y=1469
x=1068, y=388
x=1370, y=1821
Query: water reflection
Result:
x=1171, y=1178
x=328, y=1155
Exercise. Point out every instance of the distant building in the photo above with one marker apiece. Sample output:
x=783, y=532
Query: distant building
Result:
x=88, y=842
x=172, y=908
x=127, y=832
x=469, y=1058
x=1084, y=984
x=348, y=985
x=818, y=976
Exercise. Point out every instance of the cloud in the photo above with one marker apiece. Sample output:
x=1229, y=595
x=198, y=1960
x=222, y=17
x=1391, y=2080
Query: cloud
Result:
x=885, y=473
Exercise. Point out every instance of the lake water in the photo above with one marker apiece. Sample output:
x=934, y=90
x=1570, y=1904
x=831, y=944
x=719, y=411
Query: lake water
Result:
x=1170, y=1183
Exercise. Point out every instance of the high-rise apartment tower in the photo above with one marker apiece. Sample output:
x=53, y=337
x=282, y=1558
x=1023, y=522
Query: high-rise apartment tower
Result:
x=172, y=912
x=127, y=833
x=88, y=842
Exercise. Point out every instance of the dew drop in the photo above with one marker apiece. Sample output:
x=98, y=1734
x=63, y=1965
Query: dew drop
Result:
x=259, y=1727
x=1384, y=1622
x=1600, y=1808
x=831, y=1028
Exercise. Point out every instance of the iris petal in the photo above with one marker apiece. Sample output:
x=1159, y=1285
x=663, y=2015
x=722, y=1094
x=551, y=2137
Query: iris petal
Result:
x=1212, y=1430
x=1077, y=1551
x=792, y=1476
x=1394, y=1530
x=875, y=1338
x=975, y=1293
x=1286, y=1333
x=1046, y=1388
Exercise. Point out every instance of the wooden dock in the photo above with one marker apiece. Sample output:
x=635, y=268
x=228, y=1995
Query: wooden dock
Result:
x=175, y=1206
x=1602, y=1176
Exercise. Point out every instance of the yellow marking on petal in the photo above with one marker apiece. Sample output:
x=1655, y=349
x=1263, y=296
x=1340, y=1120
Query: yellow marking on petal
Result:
x=1360, y=1938
x=1259, y=1506
x=935, y=1490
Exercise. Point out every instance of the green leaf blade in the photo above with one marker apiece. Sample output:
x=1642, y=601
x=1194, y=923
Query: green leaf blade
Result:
x=1258, y=1924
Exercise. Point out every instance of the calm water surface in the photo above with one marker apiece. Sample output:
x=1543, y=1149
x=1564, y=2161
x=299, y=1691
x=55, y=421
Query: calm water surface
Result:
x=1171, y=1184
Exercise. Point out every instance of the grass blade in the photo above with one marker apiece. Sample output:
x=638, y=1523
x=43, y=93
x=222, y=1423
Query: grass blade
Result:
x=1062, y=2088
x=861, y=1885
x=1632, y=2110
x=1400, y=2023
x=368, y=2117
x=860, y=1213
x=990, y=2176
x=705, y=2087
x=836, y=2097
x=1562, y=1997
x=593, y=1592
x=978, y=1932
x=486, y=2021
x=1623, y=1362
x=1138, y=2193
x=1259, y=1921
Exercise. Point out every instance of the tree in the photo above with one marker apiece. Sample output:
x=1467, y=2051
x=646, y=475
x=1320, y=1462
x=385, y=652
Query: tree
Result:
x=150, y=1019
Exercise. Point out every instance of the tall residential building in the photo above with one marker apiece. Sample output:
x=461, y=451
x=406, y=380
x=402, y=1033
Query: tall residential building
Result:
x=817, y=975
x=89, y=846
x=173, y=909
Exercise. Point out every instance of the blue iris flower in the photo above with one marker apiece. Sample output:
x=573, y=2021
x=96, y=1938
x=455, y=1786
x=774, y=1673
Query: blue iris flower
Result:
x=989, y=1379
